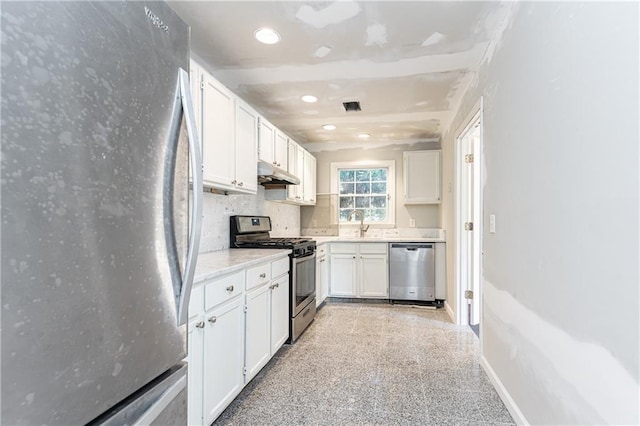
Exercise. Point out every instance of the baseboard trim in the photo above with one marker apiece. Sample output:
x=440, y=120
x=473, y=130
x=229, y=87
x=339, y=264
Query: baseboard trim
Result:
x=511, y=405
x=450, y=312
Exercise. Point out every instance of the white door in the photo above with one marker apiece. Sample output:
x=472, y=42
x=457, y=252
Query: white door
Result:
x=469, y=226
x=279, y=312
x=343, y=275
x=258, y=330
x=223, y=345
x=246, y=148
x=374, y=276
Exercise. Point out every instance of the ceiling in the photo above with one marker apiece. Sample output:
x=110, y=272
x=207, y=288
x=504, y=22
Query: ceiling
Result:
x=407, y=63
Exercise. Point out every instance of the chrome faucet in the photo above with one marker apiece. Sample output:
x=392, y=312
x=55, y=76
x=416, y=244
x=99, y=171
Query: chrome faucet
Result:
x=363, y=228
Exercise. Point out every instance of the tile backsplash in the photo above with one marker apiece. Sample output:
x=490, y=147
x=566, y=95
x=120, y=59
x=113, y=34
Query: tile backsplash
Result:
x=216, y=210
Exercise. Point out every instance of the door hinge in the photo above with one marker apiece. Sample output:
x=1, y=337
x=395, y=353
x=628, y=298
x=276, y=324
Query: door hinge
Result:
x=202, y=85
x=468, y=158
x=245, y=308
x=244, y=371
x=468, y=226
x=468, y=294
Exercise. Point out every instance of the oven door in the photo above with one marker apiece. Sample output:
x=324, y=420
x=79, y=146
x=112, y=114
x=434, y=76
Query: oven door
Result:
x=303, y=282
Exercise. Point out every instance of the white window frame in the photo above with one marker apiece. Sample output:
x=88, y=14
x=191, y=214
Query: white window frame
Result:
x=390, y=165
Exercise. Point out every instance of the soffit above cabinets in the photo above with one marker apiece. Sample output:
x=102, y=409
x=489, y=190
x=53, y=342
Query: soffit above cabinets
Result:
x=407, y=63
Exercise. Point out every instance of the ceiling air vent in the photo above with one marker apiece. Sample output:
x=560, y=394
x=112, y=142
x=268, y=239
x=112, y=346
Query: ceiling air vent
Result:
x=351, y=106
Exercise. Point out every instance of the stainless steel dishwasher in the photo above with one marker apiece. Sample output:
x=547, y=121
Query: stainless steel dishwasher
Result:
x=412, y=274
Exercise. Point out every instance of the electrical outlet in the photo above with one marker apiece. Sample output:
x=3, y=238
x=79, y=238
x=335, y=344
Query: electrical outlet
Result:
x=412, y=223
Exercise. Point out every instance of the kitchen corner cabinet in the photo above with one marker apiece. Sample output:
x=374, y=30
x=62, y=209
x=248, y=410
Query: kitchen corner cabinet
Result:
x=359, y=270
x=422, y=177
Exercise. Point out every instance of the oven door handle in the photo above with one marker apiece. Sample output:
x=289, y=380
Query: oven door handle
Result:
x=304, y=258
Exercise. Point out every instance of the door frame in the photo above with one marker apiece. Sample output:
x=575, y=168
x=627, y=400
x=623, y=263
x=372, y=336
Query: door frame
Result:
x=474, y=116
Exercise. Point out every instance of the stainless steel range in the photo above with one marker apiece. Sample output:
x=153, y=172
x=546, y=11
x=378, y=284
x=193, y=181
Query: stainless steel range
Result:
x=253, y=232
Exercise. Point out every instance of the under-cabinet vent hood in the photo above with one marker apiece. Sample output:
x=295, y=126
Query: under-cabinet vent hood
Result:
x=268, y=174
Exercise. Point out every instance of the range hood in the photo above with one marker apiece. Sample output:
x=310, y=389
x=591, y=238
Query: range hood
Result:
x=268, y=174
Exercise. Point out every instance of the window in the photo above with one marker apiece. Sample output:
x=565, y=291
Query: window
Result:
x=367, y=187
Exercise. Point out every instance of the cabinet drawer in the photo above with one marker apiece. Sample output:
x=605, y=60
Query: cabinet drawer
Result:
x=279, y=267
x=377, y=248
x=344, y=248
x=196, y=302
x=223, y=289
x=321, y=250
x=258, y=275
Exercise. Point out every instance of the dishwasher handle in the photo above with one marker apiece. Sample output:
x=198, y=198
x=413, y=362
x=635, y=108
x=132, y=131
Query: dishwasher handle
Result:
x=411, y=246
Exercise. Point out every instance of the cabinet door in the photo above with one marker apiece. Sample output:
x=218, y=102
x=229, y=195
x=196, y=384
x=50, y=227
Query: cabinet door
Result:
x=293, y=191
x=281, y=150
x=343, y=275
x=322, y=279
x=309, y=181
x=279, y=312
x=246, y=148
x=266, y=141
x=258, y=333
x=223, y=346
x=195, y=371
x=421, y=177
x=218, y=143
x=374, y=276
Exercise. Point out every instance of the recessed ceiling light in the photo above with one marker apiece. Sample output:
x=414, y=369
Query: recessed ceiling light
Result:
x=309, y=99
x=267, y=36
x=364, y=135
x=329, y=127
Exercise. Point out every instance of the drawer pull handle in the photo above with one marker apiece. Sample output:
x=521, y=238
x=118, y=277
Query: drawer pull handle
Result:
x=200, y=324
x=212, y=319
x=263, y=275
x=276, y=285
x=230, y=288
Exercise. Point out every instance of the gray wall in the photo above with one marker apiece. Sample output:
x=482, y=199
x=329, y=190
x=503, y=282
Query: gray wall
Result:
x=561, y=283
x=426, y=216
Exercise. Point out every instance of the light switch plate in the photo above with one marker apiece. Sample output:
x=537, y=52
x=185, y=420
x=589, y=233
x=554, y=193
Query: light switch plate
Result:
x=412, y=223
x=492, y=223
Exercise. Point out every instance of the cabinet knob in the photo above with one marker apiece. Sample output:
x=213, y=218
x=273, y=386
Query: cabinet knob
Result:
x=230, y=288
x=241, y=184
x=279, y=165
x=212, y=319
x=276, y=285
x=275, y=163
x=233, y=182
x=263, y=275
x=354, y=257
x=200, y=324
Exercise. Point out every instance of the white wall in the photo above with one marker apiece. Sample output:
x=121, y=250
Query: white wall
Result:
x=285, y=218
x=561, y=283
x=426, y=216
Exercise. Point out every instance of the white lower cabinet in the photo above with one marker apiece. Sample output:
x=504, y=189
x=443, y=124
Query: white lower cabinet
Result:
x=359, y=270
x=223, y=357
x=258, y=324
x=236, y=323
x=322, y=274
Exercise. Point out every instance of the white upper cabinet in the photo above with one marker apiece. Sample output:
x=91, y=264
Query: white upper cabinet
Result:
x=422, y=182
x=281, y=150
x=309, y=179
x=294, y=192
x=266, y=142
x=246, y=148
x=218, y=145
x=228, y=132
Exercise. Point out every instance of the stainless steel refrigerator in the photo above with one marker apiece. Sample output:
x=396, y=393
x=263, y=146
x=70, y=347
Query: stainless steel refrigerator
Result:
x=99, y=230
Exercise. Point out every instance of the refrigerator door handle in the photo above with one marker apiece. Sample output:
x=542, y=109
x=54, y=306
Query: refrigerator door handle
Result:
x=196, y=212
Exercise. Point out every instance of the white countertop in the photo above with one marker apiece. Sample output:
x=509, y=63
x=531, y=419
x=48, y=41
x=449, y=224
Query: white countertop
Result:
x=337, y=239
x=216, y=263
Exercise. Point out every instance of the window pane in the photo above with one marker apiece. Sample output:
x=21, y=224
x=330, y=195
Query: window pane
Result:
x=346, y=202
x=363, y=201
x=363, y=188
x=343, y=214
x=379, y=174
x=346, y=175
x=378, y=201
x=363, y=175
x=346, y=188
x=379, y=188
x=378, y=215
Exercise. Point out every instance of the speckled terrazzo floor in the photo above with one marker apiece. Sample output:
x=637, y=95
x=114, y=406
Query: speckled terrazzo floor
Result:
x=373, y=364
